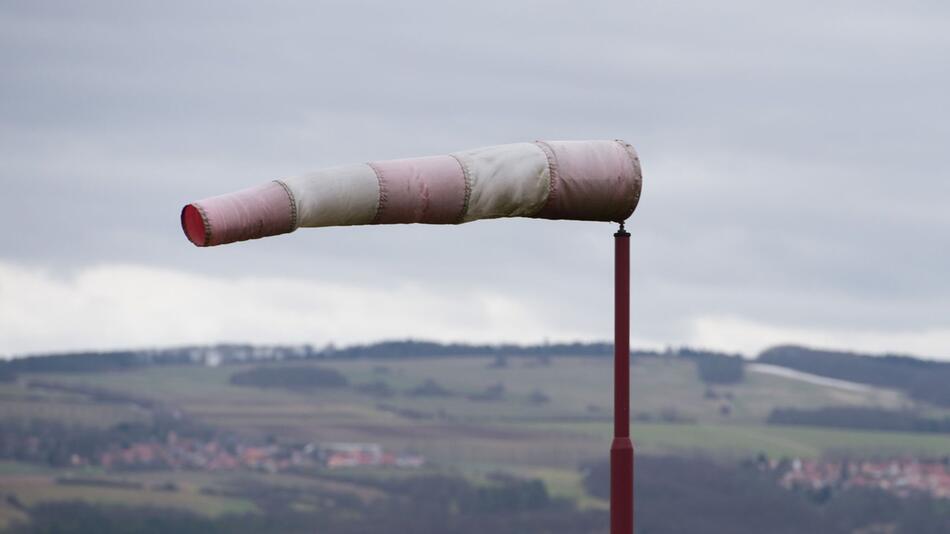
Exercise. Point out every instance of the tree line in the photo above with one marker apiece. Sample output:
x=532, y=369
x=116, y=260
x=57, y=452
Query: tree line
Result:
x=713, y=367
x=860, y=418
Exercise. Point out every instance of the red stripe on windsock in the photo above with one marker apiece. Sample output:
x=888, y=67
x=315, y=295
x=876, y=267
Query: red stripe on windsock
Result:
x=255, y=212
x=594, y=181
x=420, y=190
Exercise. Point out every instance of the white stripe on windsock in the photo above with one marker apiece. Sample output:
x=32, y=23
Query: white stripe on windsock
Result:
x=344, y=195
x=505, y=180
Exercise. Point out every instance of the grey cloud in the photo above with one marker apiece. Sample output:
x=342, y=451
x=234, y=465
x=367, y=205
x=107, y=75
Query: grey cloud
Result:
x=794, y=152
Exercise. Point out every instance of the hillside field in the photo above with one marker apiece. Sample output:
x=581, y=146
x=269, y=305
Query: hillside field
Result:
x=545, y=418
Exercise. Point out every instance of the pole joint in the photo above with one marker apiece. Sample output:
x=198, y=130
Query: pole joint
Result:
x=622, y=232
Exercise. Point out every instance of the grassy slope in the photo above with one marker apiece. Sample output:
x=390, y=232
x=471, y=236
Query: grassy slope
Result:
x=20, y=402
x=32, y=485
x=579, y=389
x=777, y=441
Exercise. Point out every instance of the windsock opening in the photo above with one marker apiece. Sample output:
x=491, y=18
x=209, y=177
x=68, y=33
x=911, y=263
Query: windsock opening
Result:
x=194, y=225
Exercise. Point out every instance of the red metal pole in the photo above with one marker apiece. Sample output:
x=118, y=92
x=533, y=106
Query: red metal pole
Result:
x=621, y=450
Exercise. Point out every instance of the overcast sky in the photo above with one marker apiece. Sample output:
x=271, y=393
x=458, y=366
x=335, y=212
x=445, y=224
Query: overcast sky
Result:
x=795, y=158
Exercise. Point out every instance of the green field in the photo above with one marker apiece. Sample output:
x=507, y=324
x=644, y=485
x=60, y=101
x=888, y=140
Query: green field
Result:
x=548, y=440
x=577, y=387
x=30, y=487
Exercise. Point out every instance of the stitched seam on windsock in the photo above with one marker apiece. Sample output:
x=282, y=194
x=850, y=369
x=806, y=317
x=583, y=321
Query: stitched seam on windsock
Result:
x=205, y=222
x=466, y=176
x=382, y=193
x=293, y=204
x=628, y=148
x=635, y=161
x=553, y=174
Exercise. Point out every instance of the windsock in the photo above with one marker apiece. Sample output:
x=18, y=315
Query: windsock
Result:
x=580, y=180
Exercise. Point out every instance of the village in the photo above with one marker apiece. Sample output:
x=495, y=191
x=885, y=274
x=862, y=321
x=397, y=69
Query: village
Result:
x=189, y=454
x=900, y=477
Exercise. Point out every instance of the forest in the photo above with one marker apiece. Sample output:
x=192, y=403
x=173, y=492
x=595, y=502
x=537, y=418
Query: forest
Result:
x=858, y=417
x=694, y=494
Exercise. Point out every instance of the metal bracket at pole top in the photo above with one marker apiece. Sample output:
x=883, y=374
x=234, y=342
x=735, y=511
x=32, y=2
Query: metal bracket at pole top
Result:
x=622, y=232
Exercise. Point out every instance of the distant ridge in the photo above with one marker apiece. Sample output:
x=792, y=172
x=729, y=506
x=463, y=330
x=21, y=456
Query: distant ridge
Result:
x=923, y=380
x=719, y=367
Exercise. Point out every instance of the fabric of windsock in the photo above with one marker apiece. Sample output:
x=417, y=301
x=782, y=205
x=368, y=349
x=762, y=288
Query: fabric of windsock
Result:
x=579, y=180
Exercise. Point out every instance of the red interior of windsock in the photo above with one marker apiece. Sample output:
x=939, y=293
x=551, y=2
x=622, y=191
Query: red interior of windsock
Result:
x=193, y=225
